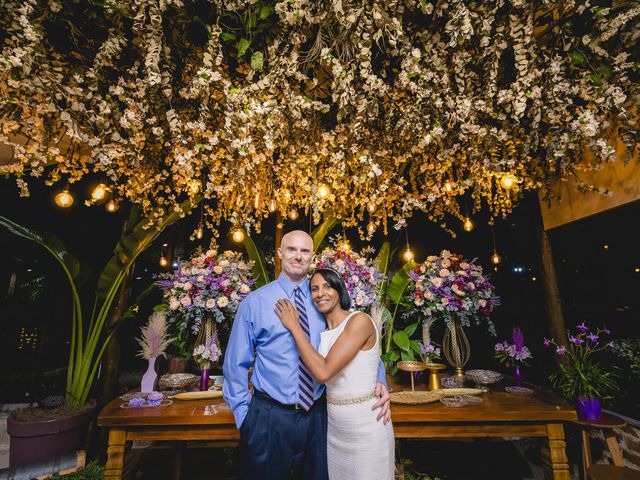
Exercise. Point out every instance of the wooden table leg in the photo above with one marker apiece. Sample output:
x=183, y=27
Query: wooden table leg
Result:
x=115, y=455
x=586, y=453
x=176, y=465
x=614, y=448
x=554, y=455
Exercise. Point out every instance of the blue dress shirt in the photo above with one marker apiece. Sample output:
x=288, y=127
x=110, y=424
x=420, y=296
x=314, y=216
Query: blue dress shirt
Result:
x=258, y=329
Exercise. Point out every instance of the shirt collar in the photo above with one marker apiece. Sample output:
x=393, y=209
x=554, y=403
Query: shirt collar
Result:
x=289, y=287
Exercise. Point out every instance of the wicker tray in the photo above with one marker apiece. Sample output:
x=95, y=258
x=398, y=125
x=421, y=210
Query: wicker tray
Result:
x=205, y=395
x=177, y=380
x=415, y=398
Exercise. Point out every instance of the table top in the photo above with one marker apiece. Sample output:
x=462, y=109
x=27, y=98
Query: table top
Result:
x=607, y=420
x=497, y=406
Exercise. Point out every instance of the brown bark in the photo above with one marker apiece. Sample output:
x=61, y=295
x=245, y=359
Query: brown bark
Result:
x=557, y=325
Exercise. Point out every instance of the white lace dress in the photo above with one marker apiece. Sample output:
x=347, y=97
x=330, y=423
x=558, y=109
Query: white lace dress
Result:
x=358, y=446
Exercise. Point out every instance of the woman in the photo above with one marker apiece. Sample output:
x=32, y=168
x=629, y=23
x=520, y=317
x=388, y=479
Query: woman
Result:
x=347, y=361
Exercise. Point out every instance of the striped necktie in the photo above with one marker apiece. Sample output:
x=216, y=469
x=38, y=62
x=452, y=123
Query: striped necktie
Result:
x=305, y=386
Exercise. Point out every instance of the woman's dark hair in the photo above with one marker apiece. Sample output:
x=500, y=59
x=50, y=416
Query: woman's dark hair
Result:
x=335, y=282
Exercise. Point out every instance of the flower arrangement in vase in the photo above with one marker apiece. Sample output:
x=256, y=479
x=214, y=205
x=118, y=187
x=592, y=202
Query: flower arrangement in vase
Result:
x=153, y=343
x=582, y=378
x=208, y=283
x=359, y=272
x=514, y=354
x=204, y=355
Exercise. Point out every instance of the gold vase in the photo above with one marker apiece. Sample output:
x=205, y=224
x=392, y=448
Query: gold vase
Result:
x=207, y=330
x=455, y=346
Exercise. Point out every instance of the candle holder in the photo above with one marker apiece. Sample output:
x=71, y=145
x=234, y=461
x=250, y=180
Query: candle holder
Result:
x=411, y=366
x=434, y=379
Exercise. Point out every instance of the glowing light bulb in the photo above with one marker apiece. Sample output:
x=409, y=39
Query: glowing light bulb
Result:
x=467, y=225
x=508, y=181
x=238, y=236
x=448, y=186
x=256, y=201
x=371, y=207
x=99, y=192
x=606, y=247
x=64, y=199
x=371, y=228
x=345, y=245
x=286, y=194
x=293, y=214
x=323, y=191
x=495, y=258
x=199, y=232
x=163, y=261
x=408, y=255
x=111, y=206
x=272, y=206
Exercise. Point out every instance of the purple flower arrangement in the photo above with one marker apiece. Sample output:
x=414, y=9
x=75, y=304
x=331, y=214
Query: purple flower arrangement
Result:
x=513, y=354
x=207, y=353
x=208, y=283
x=581, y=373
x=359, y=272
x=447, y=285
x=429, y=352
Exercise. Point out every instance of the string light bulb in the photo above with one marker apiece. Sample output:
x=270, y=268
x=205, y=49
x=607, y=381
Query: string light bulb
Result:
x=194, y=187
x=371, y=228
x=237, y=235
x=272, y=205
x=111, y=206
x=508, y=181
x=163, y=261
x=286, y=194
x=323, y=191
x=199, y=232
x=293, y=214
x=448, y=187
x=99, y=192
x=467, y=225
x=495, y=258
x=408, y=255
x=64, y=199
x=371, y=207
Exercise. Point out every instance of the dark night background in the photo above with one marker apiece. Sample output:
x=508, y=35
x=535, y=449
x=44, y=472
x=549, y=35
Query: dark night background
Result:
x=598, y=284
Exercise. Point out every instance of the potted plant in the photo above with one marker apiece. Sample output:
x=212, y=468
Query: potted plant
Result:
x=514, y=354
x=37, y=435
x=582, y=378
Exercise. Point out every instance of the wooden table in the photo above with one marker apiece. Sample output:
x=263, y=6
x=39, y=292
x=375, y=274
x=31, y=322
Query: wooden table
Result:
x=500, y=415
x=606, y=423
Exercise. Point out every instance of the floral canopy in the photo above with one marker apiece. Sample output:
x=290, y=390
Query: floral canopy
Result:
x=372, y=109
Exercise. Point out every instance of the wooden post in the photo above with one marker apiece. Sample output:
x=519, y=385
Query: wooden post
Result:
x=279, y=227
x=557, y=324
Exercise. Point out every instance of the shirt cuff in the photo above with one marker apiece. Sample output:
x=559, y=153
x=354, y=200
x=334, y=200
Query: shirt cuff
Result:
x=240, y=413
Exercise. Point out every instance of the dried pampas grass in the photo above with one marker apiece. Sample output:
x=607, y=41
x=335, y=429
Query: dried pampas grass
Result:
x=154, y=340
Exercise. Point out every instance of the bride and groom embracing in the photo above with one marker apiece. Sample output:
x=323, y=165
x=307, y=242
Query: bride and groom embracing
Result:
x=320, y=405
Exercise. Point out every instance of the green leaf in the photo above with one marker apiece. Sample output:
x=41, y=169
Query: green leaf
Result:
x=414, y=344
x=259, y=264
x=407, y=356
x=401, y=339
x=391, y=356
x=136, y=242
x=323, y=229
x=383, y=258
x=242, y=46
x=577, y=58
x=228, y=36
x=387, y=317
x=257, y=61
x=410, y=329
x=399, y=283
x=265, y=12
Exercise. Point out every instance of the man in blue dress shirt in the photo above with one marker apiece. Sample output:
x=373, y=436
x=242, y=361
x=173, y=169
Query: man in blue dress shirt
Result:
x=281, y=437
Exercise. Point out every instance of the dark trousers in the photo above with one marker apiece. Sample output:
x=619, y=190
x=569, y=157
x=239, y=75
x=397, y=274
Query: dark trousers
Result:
x=278, y=442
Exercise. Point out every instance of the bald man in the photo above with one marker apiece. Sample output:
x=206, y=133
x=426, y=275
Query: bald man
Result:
x=283, y=425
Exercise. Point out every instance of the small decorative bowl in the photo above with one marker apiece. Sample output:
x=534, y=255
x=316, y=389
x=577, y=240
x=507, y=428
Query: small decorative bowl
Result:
x=483, y=378
x=176, y=381
x=452, y=382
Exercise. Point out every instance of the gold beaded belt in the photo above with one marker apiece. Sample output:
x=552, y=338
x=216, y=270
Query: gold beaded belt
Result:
x=352, y=400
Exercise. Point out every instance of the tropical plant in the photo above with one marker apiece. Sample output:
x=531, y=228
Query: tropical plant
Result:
x=629, y=350
x=581, y=374
x=89, y=339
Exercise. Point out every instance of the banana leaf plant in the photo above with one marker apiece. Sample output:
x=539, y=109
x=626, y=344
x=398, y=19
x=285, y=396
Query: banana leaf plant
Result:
x=89, y=339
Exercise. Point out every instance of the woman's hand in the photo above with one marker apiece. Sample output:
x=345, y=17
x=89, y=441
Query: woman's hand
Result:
x=288, y=314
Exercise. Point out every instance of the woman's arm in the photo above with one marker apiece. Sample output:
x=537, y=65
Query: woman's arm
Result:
x=355, y=335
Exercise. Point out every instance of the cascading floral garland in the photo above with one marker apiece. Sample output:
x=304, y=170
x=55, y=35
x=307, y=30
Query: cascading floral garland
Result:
x=371, y=109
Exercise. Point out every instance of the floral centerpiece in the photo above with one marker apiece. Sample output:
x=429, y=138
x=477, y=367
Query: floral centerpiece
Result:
x=359, y=272
x=204, y=355
x=429, y=352
x=582, y=377
x=514, y=354
x=447, y=285
x=207, y=284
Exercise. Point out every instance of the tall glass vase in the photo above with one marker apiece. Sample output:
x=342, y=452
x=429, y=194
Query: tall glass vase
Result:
x=150, y=377
x=204, y=378
x=455, y=346
x=517, y=375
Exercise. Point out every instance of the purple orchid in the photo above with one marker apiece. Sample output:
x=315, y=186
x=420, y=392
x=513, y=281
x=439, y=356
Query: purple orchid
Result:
x=582, y=328
x=593, y=337
x=606, y=330
x=561, y=350
x=576, y=340
x=546, y=343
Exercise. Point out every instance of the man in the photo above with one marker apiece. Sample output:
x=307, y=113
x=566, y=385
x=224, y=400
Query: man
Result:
x=283, y=426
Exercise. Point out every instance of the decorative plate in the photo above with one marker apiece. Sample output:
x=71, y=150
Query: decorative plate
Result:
x=519, y=390
x=164, y=403
x=416, y=397
x=460, y=400
x=452, y=392
x=483, y=376
x=177, y=380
